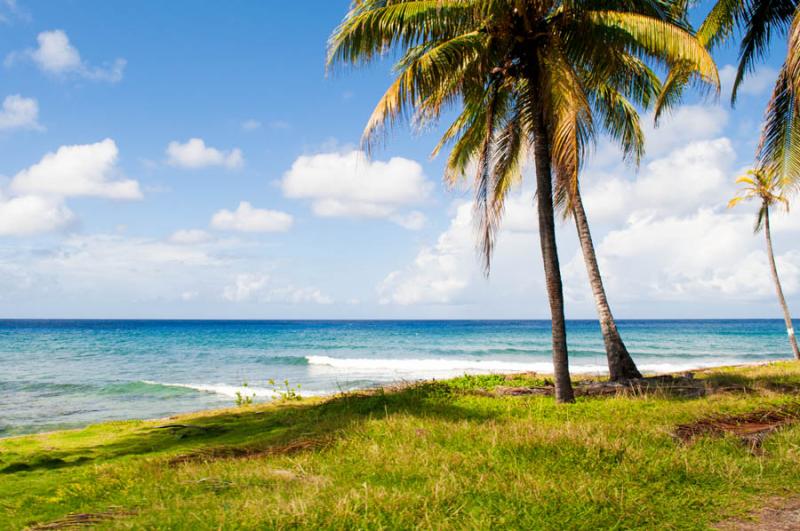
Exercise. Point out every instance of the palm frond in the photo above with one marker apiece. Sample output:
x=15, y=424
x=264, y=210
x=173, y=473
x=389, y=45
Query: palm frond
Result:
x=793, y=57
x=484, y=185
x=721, y=22
x=778, y=152
x=372, y=27
x=661, y=40
x=760, y=20
x=429, y=76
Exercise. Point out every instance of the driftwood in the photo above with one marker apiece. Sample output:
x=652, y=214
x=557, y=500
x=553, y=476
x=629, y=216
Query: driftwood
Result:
x=683, y=386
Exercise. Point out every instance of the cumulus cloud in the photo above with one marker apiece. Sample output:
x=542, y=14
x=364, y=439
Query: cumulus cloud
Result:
x=190, y=236
x=351, y=185
x=700, y=173
x=246, y=218
x=254, y=287
x=55, y=55
x=19, y=113
x=29, y=214
x=440, y=273
x=688, y=123
x=694, y=257
x=195, y=154
x=78, y=170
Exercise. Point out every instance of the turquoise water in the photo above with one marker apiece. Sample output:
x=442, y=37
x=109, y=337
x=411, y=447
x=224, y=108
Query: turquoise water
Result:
x=64, y=373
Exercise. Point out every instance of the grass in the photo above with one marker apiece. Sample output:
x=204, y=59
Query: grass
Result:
x=437, y=455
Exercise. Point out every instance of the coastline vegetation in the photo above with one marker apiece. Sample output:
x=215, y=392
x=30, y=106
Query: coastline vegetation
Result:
x=469, y=452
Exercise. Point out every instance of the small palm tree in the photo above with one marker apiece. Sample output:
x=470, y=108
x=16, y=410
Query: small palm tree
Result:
x=765, y=186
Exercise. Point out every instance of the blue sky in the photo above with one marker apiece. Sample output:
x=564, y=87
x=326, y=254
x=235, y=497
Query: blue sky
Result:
x=192, y=160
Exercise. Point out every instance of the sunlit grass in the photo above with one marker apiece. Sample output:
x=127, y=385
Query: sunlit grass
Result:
x=435, y=455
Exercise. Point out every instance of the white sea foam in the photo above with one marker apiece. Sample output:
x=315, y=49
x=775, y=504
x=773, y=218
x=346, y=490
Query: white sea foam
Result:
x=222, y=389
x=449, y=365
x=435, y=365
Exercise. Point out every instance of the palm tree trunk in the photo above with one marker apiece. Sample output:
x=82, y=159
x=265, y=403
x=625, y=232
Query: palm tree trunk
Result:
x=787, y=317
x=552, y=271
x=620, y=363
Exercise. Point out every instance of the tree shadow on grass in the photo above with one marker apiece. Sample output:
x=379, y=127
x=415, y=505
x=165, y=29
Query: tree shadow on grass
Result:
x=285, y=428
x=306, y=425
x=759, y=382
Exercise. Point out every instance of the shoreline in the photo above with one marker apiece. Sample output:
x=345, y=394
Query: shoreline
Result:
x=395, y=385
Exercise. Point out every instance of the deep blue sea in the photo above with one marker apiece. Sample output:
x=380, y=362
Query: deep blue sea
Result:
x=66, y=373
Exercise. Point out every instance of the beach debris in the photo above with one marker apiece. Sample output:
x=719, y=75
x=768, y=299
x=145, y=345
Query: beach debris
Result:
x=83, y=519
x=751, y=428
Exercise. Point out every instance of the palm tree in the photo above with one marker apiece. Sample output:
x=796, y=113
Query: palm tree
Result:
x=766, y=187
x=526, y=75
x=620, y=363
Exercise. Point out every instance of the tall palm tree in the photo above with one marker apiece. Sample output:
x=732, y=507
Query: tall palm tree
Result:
x=766, y=187
x=526, y=75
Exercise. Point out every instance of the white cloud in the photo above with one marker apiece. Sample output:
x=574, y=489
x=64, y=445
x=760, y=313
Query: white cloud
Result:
x=190, y=236
x=255, y=287
x=442, y=272
x=351, y=185
x=55, y=55
x=688, y=123
x=110, y=254
x=248, y=219
x=251, y=125
x=195, y=154
x=701, y=256
x=131, y=276
x=78, y=170
x=700, y=173
x=27, y=215
x=19, y=113
x=244, y=287
x=414, y=220
x=439, y=272
x=755, y=83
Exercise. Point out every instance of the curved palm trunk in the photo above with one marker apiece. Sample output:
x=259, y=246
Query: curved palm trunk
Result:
x=787, y=317
x=620, y=363
x=552, y=271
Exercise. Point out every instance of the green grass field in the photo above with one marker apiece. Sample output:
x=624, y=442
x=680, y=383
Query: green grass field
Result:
x=437, y=455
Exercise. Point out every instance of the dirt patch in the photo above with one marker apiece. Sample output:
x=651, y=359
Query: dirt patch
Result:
x=212, y=454
x=777, y=515
x=74, y=520
x=751, y=428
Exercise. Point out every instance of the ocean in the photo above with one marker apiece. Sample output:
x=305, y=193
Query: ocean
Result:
x=68, y=373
